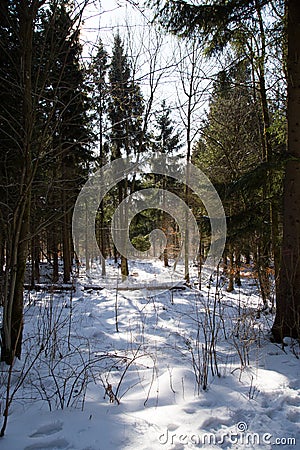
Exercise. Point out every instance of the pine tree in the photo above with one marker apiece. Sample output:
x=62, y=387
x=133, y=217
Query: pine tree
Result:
x=125, y=105
x=99, y=89
x=218, y=24
x=228, y=152
x=125, y=111
x=287, y=319
x=166, y=141
x=68, y=104
x=99, y=92
x=21, y=140
x=44, y=133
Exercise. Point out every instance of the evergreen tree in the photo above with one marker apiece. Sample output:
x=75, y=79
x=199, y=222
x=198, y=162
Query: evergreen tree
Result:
x=287, y=320
x=218, y=23
x=67, y=104
x=125, y=105
x=10, y=124
x=99, y=92
x=99, y=89
x=230, y=152
x=125, y=111
x=18, y=164
x=166, y=140
x=45, y=142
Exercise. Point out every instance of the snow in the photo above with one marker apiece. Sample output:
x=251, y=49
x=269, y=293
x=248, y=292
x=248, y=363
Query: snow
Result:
x=157, y=364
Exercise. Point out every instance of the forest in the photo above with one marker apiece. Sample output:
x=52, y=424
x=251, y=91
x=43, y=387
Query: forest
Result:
x=135, y=154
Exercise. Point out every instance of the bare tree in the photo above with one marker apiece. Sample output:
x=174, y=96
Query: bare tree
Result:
x=191, y=100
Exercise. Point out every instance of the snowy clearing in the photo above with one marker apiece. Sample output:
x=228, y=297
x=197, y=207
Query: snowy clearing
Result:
x=133, y=369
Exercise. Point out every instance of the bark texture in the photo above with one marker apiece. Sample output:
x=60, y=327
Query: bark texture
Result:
x=287, y=320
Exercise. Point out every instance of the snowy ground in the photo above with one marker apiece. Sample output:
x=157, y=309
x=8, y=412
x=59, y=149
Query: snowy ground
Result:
x=180, y=369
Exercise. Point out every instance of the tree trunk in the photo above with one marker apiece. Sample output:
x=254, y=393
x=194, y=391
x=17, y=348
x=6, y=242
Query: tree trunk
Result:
x=247, y=257
x=225, y=262
x=35, y=261
x=230, y=286
x=166, y=259
x=66, y=177
x=261, y=264
x=102, y=240
x=122, y=188
x=164, y=222
x=18, y=247
x=66, y=247
x=55, y=273
x=238, y=269
x=287, y=320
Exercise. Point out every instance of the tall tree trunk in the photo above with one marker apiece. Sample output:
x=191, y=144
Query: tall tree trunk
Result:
x=262, y=267
x=238, y=269
x=52, y=250
x=267, y=147
x=13, y=301
x=35, y=260
x=102, y=240
x=163, y=219
x=230, y=286
x=122, y=188
x=287, y=319
x=2, y=262
x=66, y=220
x=66, y=247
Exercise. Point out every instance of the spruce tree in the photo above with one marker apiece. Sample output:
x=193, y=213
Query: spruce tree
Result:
x=167, y=142
x=218, y=23
x=229, y=152
x=18, y=165
x=67, y=105
x=125, y=111
x=287, y=319
x=99, y=92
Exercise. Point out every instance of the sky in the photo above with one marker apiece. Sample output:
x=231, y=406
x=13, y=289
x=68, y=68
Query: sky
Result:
x=102, y=17
x=106, y=17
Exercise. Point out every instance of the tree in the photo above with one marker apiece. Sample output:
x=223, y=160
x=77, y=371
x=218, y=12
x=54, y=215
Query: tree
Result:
x=125, y=111
x=19, y=168
x=67, y=105
x=287, y=319
x=44, y=119
x=166, y=141
x=218, y=23
x=228, y=152
x=190, y=100
x=98, y=70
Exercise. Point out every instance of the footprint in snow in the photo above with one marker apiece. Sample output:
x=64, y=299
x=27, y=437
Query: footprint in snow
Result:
x=294, y=416
x=56, y=444
x=294, y=384
x=47, y=430
x=214, y=423
x=190, y=411
x=172, y=426
x=293, y=401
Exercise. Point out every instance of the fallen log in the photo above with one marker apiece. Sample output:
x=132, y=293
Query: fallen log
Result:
x=50, y=287
x=139, y=287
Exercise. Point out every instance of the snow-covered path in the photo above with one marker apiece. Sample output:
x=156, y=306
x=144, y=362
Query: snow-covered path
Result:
x=155, y=365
